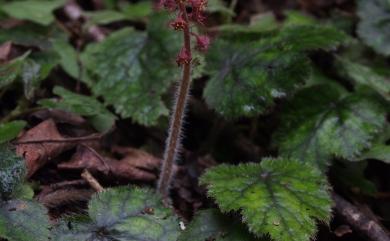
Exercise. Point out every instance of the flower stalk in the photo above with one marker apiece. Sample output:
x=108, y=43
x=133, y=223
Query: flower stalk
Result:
x=181, y=23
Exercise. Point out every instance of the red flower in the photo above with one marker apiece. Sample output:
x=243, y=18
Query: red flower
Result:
x=198, y=7
x=184, y=57
x=202, y=42
x=179, y=23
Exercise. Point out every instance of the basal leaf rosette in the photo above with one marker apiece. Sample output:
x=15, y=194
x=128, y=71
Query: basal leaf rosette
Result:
x=278, y=197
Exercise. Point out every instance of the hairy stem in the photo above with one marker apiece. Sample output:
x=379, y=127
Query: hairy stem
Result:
x=173, y=141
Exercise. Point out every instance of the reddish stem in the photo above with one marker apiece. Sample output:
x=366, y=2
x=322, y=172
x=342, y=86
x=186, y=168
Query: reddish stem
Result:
x=172, y=147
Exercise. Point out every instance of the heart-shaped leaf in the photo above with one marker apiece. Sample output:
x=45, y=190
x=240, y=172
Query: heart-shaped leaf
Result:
x=279, y=197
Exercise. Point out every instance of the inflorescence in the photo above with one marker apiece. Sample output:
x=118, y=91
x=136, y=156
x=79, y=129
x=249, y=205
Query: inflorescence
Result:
x=183, y=21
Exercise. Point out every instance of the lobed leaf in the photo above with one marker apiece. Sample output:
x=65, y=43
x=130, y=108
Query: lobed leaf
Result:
x=124, y=214
x=12, y=170
x=246, y=76
x=335, y=123
x=22, y=220
x=131, y=70
x=279, y=197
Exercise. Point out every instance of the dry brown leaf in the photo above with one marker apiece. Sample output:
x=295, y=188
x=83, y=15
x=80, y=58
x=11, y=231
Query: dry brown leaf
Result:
x=86, y=158
x=38, y=154
x=5, y=50
x=135, y=164
x=56, y=198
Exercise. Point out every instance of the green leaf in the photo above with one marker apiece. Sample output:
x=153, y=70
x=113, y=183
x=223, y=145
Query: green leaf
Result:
x=311, y=37
x=374, y=25
x=131, y=70
x=364, y=75
x=126, y=214
x=104, y=16
x=378, y=152
x=12, y=170
x=22, y=220
x=38, y=11
x=10, y=130
x=138, y=10
x=11, y=70
x=324, y=121
x=245, y=77
x=29, y=34
x=218, y=6
x=23, y=191
x=212, y=225
x=35, y=69
x=68, y=57
x=293, y=18
x=87, y=106
x=279, y=197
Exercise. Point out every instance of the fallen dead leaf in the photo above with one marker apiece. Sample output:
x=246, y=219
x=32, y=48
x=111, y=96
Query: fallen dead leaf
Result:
x=5, y=50
x=135, y=164
x=38, y=154
x=55, y=198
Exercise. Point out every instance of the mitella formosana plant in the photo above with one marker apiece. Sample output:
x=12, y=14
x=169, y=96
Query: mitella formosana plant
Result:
x=279, y=129
x=183, y=22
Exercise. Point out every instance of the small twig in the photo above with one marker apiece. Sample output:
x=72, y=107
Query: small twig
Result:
x=87, y=176
x=60, y=185
x=70, y=139
x=359, y=221
x=98, y=156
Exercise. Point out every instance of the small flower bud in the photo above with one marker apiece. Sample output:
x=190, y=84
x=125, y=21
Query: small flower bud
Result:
x=184, y=57
x=202, y=43
x=178, y=24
